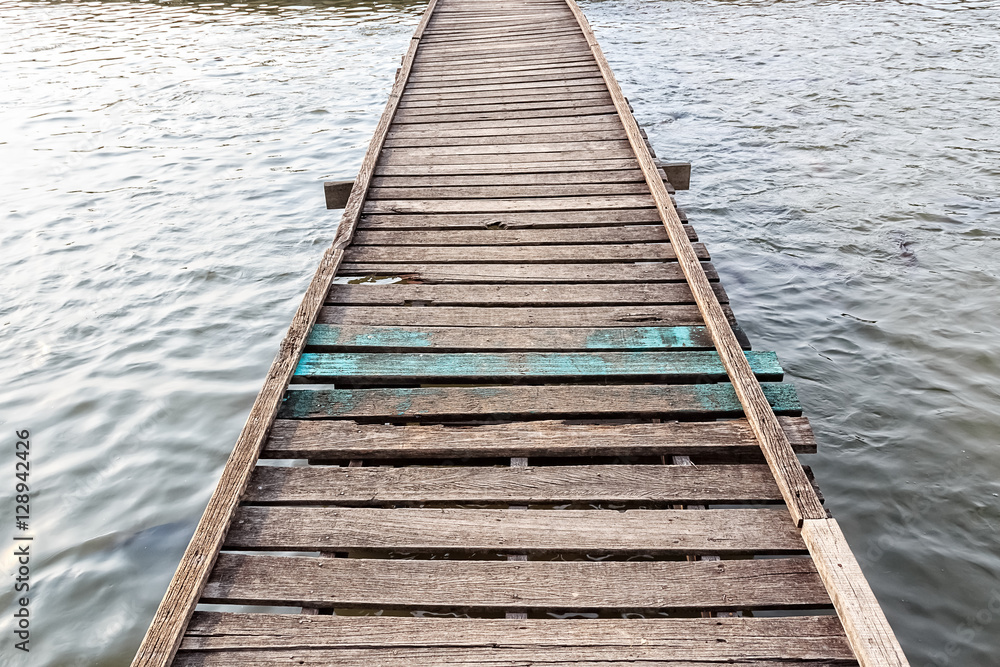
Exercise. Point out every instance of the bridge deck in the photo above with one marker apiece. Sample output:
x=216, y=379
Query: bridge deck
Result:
x=534, y=432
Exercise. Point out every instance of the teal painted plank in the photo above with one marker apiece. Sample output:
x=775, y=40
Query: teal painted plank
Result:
x=347, y=337
x=420, y=367
x=704, y=401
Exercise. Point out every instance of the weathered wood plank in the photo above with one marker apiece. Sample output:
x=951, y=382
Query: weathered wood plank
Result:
x=440, y=274
x=347, y=440
x=407, y=657
x=498, y=157
x=502, y=191
x=868, y=631
x=501, y=221
x=425, y=116
x=375, y=487
x=481, y=90
x=346, y=338
x=497, y=316
x=503, y=642
x=477, y=180
x=367, y=294
x=494, y=237
x=360, y=583
x=542, y=254
x=660, y=366
x=614, y=147
x=702, y=401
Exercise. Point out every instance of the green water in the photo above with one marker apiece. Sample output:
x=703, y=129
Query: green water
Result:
x=161, y=166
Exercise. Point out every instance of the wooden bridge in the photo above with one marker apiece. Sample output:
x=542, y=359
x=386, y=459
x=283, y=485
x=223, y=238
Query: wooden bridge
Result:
x=547, y=441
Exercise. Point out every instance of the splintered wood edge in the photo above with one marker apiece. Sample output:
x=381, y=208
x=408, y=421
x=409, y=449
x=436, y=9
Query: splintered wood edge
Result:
x=167, y=627
x=799, y=494
x=868, y=632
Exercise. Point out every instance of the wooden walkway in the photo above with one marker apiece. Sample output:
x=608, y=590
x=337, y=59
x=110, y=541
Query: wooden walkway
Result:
x=549, y=443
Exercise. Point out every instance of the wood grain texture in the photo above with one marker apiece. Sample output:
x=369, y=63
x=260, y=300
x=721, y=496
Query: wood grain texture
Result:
x=868, y=631
x=700, y=401
x=547, y=254
x=166, y=629
x=388, y=487
x=367, y=294
x=435, y=584
x=461, y=237
x=398, y=339
x=346, y=440
x=802, y=500
x=792, y=638
x=510, y=220
x=417, y=367
x=647, y=273
x=573, y=533
x=471, y=316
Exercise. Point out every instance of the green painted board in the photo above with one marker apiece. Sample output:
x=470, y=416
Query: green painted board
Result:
x=506, y=365
x=703, y=401
x=349, y=337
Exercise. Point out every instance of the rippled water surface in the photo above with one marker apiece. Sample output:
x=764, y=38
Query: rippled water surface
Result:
x=161, y=166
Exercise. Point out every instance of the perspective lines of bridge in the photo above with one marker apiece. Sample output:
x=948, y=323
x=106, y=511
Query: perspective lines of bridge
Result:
x=514, y=421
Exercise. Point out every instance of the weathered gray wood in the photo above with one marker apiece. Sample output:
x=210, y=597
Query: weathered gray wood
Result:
x=471, y=316
x=367, y=294
x=494, y=237
x=345, y=440
x=500, y=221
x=498, y=641
x=537, y=154
x=503, y=130
x=441, y=274
x=678, y=173
x=502, y=191
x=701, y=401
x=552, y=656
x=541, y=254
x=576, y=533
x=337, y=193
x=529, y=179
x=426, y=116
x=868, y=631
x=483, y=89
x=361, y=583
x=615, y=147
x=375, y=487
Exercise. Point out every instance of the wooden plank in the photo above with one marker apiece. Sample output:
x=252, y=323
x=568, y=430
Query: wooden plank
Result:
x=346, y=440
x=499, y=156
x=360, y=583
x=461, y=79
x=558, y=103
x=166, y=629
x=868, y=631
x=443, y=274
x=460, y=237
x=670, y=401
x=574, y=177
x=472, y=316
x=346, y=338
x=501, y=642
x=802, y=500
x=482, y=531
x=586, y=137
x=542, y=254
x=337, y=193
x=501, y=221
x=611, y=147
x=367, y=294
x=438, y=117
x=659, y=366
x=560, y=84
x=375, y=487
x=486, y=130
x=501, y=191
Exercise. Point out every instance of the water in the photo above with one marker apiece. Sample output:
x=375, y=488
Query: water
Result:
x=161, y=167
